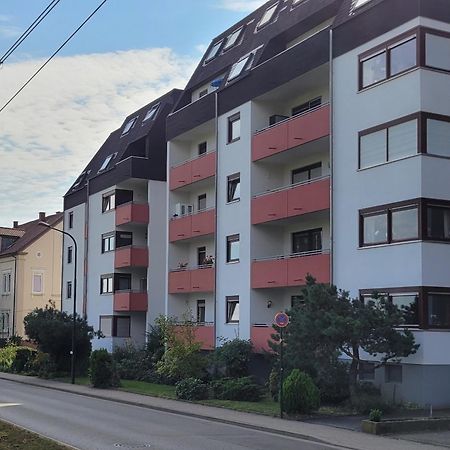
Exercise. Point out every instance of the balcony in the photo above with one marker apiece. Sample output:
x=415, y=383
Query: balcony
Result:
x=186, y=227
x=193, y=170
x=260, y=334
x=204, y=333
x=129, y=301
x=131, y=257
x=182, y=281
x=291, y=270
x=292, y=132
x=132, y=213
x=295, y=200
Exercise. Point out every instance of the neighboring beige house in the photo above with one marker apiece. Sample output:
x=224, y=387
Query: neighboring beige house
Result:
x=30, y=270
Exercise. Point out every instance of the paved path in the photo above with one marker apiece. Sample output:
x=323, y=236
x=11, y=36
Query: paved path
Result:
x=165, y=424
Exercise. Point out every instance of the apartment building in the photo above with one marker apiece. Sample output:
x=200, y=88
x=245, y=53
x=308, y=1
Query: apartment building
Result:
x=30, y=271
x=116, y=213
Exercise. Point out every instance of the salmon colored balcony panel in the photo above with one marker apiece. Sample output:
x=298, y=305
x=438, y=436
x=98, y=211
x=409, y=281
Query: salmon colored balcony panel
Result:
x=204, y=334
x=130, y=302
x=204, y=167
x=180, y=228
x=131, y=257
x=269, y=273
x=306, y=198
x=132, y=213
x=202, y=280
x=180, y=176
x=204, y=223
x=308, y=127
x=316, y=265
x=260, y=337
x=179, y=282
x=269, y=207
x=269, y=142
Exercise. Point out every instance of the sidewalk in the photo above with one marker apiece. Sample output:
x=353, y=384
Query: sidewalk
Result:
x=322, y=433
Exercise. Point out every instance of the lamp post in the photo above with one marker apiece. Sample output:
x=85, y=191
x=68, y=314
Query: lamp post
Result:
x=74, y=320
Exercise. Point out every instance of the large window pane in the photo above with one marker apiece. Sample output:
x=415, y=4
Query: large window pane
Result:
x=437, y=51
x=123, y=326
x=374, y=69
x=405, y=224
x=402, y=140
x=403, y=57
x=439, y=310
x=307, y=241
x=375, y=229
x=373, y=149
x=438, y=226
x=438, y=137
x=409, y=304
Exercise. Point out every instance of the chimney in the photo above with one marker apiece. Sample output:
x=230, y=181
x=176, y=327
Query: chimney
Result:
x=42, y=216
x=16, y=224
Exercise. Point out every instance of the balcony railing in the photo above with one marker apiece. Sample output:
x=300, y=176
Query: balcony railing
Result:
x=193, y=170
x=192, y=225
x=130, y=257
x=291, y=270
x=292, y=132
x=130, y=301
x=294, y=200
x=132, y=213
x=184, y=280
x=260, y=335
x=204, y=334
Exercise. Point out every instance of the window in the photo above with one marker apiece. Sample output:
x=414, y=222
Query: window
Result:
x=201, y=202
x=151, y=113
x=393, y=373
x=106, y=325
x=439, y=309
x=234, y=128
x=366, y=371
x=233, y=309
x=71, y=220
x=69, y=255
x=38, y=283
x=403, y=56
x=307, y=241
x=129, y=125
x=438, y=222
x=233, y=248
x=297, y=300
x=203, y=93
x=108, y=202
x=267, y=16
x=6, y=283
x=409, y=305
x=201, y=256
x=306, y=173
x=69, y=289
x=4, y=323
x=80, y=180
x=106, y=284
x=108, y=242
x=201, y=311
x=122, y=282
x=310, y=104
x=106, y=162
x=359, y=3
x=202, y=148
x=375, y=229
x=232, y=39
x=115, y=326
x=234, y=187
x=296, y=2
x=124, y=239
x=438, y=137
x=388, y=144
x=214, y=51
x=437, y=50
x=240, y=66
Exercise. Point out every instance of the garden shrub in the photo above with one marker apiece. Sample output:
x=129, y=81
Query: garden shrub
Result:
x=102, y=371
x=7, y=357
x=243, y=389
x=333, y=383
x=375, y=415
x=274, y=384
x=191, y=389
x=43, y=366
x=132, y=363
x=301, y=395
x=23, y=359
x=367, y=397
x=232, y=358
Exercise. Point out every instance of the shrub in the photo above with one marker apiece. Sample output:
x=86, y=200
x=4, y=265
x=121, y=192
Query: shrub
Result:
x=364, y=403
x=274, y=384
x=132, y=363
x=102, y=372
x=232, y=358
x=7, y=356
x=23, y=359
x=375, y=415
x=191, y=389
x=301, y=395
x=333, y=383
x=43, y=366
x=244, y=389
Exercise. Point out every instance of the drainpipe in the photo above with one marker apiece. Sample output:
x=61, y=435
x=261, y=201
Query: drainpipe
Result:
x=14, y=297
x=86, y=249
x=216, y=121
x=331, y=160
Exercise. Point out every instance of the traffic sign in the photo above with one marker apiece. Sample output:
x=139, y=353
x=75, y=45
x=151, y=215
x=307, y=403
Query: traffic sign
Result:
x=281, y=319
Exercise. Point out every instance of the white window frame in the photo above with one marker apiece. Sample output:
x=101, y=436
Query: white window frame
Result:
x=6, y=282
x=267, y=16
x=128, y=126
x=151, y=113
x=37, y=273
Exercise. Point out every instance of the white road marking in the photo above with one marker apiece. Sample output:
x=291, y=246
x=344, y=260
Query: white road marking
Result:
x=5, y=405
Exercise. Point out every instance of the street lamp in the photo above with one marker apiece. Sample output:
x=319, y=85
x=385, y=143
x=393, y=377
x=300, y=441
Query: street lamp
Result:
x=74, y=322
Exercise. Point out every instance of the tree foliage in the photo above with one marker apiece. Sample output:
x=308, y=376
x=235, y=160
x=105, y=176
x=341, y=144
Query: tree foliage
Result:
x=232, y=359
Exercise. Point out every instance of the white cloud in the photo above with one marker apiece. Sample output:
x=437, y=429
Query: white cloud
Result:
x=6, y=29
x=53, y=128
x=241, y=5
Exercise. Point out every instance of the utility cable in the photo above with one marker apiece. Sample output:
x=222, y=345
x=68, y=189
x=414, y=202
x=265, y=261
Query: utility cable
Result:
x=29, y=30
x=53, y=55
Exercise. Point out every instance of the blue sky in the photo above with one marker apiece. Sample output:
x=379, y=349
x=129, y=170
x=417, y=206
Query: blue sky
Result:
x=131, y=52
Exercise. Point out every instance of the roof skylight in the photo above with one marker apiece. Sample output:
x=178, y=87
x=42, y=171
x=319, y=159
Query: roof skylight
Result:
x=359, y=3
x=239, y=67
x=232, y=39
x=106, y=162
x=129, y=126
x=151, y=113
x=267, y=17
x=214, y=51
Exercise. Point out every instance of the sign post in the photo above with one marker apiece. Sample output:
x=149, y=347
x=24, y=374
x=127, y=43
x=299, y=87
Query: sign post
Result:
x=282, y=321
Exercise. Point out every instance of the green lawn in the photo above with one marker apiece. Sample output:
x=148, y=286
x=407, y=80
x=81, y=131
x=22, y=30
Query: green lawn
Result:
x=12, y=437
x=141, y=387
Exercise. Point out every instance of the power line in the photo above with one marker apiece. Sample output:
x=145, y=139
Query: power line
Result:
x=53, y=55
x=29, y=30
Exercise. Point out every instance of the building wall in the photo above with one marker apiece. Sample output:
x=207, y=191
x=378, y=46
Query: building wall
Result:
x=7, y=266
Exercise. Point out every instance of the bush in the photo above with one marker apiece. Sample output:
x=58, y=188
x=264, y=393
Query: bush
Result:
x=333, y=383
x=191, y=389
x=23, y=359
x=232, y=358
x=375, y=415
x=43, y=366
x=301, y=395
x=132, y=363
x=102, y=372
x=274, y=384
x=367, y=397
x=243, y=389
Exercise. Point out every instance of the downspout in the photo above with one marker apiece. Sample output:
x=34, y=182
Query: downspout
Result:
x=331, y=160
x=14, y=297
x=216, y=94
x=62, y=263
x=86, y=249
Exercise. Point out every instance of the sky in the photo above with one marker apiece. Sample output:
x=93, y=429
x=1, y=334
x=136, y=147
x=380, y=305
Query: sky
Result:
x=131, y=52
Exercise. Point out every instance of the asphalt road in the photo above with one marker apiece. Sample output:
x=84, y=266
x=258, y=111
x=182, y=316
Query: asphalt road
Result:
x=92, y=424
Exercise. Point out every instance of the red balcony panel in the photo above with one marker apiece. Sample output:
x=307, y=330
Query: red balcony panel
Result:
x=307, y=198
x=179, y=282
x=130, y=302
x=309, y=127
x=316, y=265
x=180, y=228
x=203, y=334
x=204, y=223
x=269, y=273
x=269, y=207
x=271, y=141
x=180, y=176
x=260, y=335
x=132, y=213
x=204, y=167
x=202, y=280
x=131, y=257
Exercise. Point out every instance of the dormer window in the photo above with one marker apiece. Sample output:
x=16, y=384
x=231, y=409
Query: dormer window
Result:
x=267, y=17
x=79, y=180
x=151, y=113
x=129, y=126
x=240, y=66
x=106, y=162
x=359, y=3
x=232, y=39
x=296, y=2
x=214, y=51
